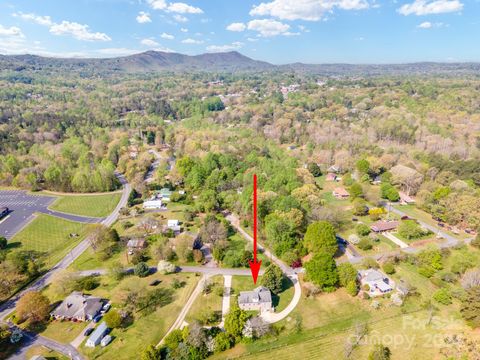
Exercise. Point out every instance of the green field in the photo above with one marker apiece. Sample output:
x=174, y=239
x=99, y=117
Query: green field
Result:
x=207, y=303
x=50, y=236
x=87, y=205
x=128, y=343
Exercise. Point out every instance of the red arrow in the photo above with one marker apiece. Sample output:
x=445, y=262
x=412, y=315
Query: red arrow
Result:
x=255, y=265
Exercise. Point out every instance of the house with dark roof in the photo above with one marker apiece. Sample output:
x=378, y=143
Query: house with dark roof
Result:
x=134, y=245
x=78, y=307
x=259, y=299
x=382, y=226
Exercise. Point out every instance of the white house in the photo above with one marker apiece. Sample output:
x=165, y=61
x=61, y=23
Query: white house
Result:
x=259, y=299
x=378, y=283
x=153, y=204
x=173, y=225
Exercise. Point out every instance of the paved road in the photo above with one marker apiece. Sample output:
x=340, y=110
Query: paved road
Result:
x=450, y=241
x=9, y=306
x=23, y=207
x=178, y=324
x=30, y=340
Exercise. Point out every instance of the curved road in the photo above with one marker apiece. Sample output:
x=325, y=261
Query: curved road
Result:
x=9, y=306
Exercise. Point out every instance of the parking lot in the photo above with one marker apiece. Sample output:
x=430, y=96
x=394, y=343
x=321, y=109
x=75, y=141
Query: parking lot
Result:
x=23, y=206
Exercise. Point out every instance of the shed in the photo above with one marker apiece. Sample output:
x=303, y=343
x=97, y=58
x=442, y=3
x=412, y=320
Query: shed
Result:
x=97, y=335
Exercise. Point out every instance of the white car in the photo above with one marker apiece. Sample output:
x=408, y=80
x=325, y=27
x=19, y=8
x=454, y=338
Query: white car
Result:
x=106, y=340
x=105, y=308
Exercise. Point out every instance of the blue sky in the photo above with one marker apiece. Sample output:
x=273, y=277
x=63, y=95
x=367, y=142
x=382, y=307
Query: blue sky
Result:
x=278, y=31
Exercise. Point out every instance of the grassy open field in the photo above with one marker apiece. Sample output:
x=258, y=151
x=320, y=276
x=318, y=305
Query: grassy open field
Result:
x=63, y=331
x=207, y=303
x=87, y=205
x=128, y=343
x=50, y=236
x=45, y=352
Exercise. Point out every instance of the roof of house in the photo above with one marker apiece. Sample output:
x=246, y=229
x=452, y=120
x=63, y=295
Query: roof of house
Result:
x=37, y=357
x=331, y=176
x=136, y=243
x=405, y=198
x=78, y=305
x=383, y=225
x=99, y=332
x=259, y=295
x=371, y=275
x=341, y=191
x=165, y=192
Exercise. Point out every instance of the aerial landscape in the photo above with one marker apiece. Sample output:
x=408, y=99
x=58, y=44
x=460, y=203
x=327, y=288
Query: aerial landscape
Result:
x=287, y=179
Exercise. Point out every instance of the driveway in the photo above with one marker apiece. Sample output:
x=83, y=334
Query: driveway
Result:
x=227, y=290
x=23, y=207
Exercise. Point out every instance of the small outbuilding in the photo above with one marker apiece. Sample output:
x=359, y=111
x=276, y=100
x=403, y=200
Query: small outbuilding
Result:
x=97, y=336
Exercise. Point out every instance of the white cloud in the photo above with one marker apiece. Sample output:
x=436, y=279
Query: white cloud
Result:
x=183, y=8
x=427, y=7
x=184, y=30
x=78, y=31
x=425, y=25
x=192, y=41
x=41, y=20
x=252, y=39
x=268, y=28
x=143, y=17
x=175, y=7
x=429, y=25
x=167, y=36
x=309, y=10
x=237, y=27
x=158, y=4
x=11, y=32
x=149, y=42
x=180, y=18
x=223, y=48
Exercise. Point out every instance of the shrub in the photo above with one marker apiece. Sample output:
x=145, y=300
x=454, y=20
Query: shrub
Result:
x=363, y=230
x=165, y=267
x=198, y=256
x=389, y=268
x=141, y=269
x=365, y=244
x=113, y=319
x=443, y=296
x=352, y=288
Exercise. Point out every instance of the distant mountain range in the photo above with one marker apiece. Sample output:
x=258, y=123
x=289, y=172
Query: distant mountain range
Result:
x=155, y=61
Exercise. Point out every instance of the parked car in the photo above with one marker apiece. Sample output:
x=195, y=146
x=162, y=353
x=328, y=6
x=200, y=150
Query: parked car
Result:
x=97, y=318
x=106, y=340
x=88, y=331
x=105, y=308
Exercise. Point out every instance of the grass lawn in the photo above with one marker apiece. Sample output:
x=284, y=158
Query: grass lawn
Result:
x=63, y=331
x=421, y=215
x=208, y=303
x=46, y=353
x=87, y=205
x=49, y=235
x=149, y=329
x=329, y=319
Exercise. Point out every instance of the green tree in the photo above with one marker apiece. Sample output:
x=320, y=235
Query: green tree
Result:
x=356, y=190
x=476, y=242
x=113, y=319
x=360, y=207
x=272, y=279
x=223, y=342
x=346, y=274
x=33, y=307
x=388, y=192
x=380, y=352
x=389, y=267
x=151, y=353
x=363, y=166
x=314, y=169
x=235, y=321
x=3, y=243
x=443, y=296
x=141, y=269
x=363, y=230
x=320, y=236
x=322, y=271
x=409, y=229
x=470, y=308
